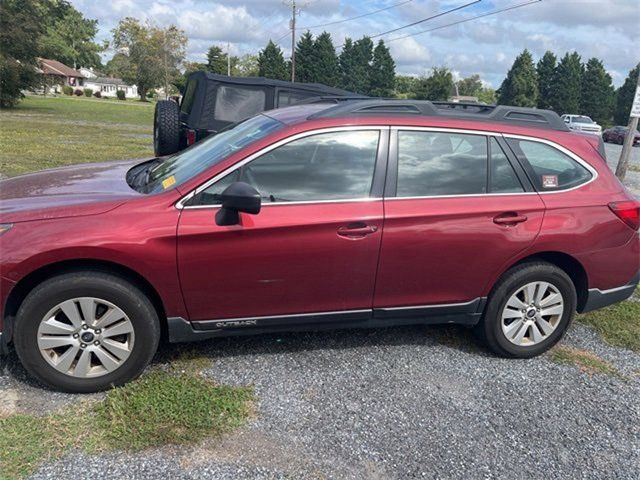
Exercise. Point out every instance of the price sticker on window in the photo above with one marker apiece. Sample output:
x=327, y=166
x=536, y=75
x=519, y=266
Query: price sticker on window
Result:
x=169, y=182
x=549, y=181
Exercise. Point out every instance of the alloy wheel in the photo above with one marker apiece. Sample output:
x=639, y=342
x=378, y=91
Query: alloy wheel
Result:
x=532, y=313
x=85, y=337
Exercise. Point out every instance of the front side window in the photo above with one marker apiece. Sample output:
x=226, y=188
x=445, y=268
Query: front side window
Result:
x=237, y=103
x=437, y=163
x=325, y=166
x=200, y=156
x=549, y=168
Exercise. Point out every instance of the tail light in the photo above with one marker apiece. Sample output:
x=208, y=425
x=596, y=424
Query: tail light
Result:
x=627, y=211
x=191, y=137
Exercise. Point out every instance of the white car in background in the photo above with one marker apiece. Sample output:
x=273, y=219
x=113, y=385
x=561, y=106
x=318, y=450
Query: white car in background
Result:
x=582, y=123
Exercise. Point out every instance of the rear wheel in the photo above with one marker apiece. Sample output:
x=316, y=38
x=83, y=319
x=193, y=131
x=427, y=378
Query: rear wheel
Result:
x=529, y=310
x=166, y=128
x=86, y=331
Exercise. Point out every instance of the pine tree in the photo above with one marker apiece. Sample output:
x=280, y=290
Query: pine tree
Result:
x=437, y=86
x=567, y=85
x=217, y=60
x=271, y=63
x=356, y=67
x=346, y=65
x=325, y=61
x=520, y=88
x=306, y=70
x=624, y=97
x=546, y=69
x=383, y=72
x=597, y=92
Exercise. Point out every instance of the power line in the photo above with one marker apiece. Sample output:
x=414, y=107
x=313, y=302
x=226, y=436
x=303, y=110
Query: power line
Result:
x=356, y=17
x=460, y=7
x=494, y=12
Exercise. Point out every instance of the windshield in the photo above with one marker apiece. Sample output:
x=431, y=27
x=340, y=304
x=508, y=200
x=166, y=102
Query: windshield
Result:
x=582, y=119
x=196, y=159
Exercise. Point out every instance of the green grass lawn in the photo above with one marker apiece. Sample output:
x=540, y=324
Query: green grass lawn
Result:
x=50, y=132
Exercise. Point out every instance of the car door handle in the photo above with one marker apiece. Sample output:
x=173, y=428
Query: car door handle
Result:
x=509, y=219
x=357, y=230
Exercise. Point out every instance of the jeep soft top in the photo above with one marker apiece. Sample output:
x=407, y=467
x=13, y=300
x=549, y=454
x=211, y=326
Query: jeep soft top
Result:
x=211, y=102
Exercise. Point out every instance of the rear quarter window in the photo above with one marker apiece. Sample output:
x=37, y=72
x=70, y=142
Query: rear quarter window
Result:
x=549, y=168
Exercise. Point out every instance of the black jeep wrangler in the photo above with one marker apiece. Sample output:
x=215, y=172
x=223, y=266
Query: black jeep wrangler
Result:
x=211, y=102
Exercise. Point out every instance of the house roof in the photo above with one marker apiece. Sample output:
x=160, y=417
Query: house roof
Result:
x=108, y=81
x=54, y=67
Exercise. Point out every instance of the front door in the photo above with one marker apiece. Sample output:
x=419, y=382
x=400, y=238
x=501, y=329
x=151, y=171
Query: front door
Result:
x=458, y=210
x=314, y=246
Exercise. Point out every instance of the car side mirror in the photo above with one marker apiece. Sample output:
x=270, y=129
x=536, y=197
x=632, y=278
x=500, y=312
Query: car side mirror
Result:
x=238, y=197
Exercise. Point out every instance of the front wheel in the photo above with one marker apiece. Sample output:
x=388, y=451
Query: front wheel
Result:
x=529, y=310
x=86, y=331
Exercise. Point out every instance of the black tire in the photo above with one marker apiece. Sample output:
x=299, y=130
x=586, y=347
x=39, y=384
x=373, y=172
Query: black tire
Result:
x=490, y=328
x=129, y=298
x=166, y=128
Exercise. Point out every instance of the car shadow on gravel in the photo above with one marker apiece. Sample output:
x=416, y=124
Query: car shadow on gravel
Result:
x=453, y=336
x=13, y=374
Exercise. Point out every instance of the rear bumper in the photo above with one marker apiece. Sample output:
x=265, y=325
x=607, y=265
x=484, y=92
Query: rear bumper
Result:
x=597, y=298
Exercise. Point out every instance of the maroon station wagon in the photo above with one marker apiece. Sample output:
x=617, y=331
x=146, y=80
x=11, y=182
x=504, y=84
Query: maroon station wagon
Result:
x=362, y=214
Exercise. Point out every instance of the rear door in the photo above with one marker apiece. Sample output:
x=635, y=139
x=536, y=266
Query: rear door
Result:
x=457, y=208
x=313, y=248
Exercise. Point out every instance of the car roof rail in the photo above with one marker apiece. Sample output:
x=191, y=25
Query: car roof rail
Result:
x=522, y=116
x=331, y=99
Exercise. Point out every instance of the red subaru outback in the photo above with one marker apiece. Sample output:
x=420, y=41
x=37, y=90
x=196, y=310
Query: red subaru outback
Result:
x=367, y=213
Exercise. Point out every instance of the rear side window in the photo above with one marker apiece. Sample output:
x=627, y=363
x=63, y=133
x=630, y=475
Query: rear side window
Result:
x=189, y=96
x=549, y=168
x=436, y=163
x=502, y=177
x=286, y=97
x=234, y=103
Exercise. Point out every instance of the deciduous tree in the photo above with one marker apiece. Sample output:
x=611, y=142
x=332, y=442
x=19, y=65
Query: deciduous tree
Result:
x=470, y=86
x=436, y=86
x=21, y=26
x=154, y=53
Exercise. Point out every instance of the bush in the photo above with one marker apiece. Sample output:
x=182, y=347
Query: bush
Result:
x=151, y=94
x=97, y=94
x=67, y=90
x=78, y=93
x=121, y=95
x=88, y=92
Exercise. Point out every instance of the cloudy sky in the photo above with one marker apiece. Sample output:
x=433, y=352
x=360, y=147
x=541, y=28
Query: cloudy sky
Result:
x=607, y=29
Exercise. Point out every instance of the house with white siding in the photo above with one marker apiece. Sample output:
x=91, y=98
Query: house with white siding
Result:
x=107, y=86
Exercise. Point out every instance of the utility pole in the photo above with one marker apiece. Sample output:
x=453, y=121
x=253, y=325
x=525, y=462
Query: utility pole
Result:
x=623, y=163
x=293, y=40
x=228, y=60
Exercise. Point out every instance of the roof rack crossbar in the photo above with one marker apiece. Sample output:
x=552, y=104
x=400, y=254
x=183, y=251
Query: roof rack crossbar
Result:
x=468, y=111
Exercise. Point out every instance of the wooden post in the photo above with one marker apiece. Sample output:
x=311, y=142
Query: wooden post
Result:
x=293, y=41
x=623, y=163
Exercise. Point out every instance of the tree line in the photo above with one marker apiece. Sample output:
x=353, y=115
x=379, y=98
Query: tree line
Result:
x=150, y=56
x=568, y=86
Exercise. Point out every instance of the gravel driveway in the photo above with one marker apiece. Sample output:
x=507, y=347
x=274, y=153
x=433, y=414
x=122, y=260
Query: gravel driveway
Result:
x=410, y=402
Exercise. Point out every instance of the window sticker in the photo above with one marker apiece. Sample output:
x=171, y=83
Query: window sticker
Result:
x=167, y=182
x=549, y=181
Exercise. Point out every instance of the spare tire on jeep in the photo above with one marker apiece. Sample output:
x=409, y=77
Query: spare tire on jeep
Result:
x=166, y=128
